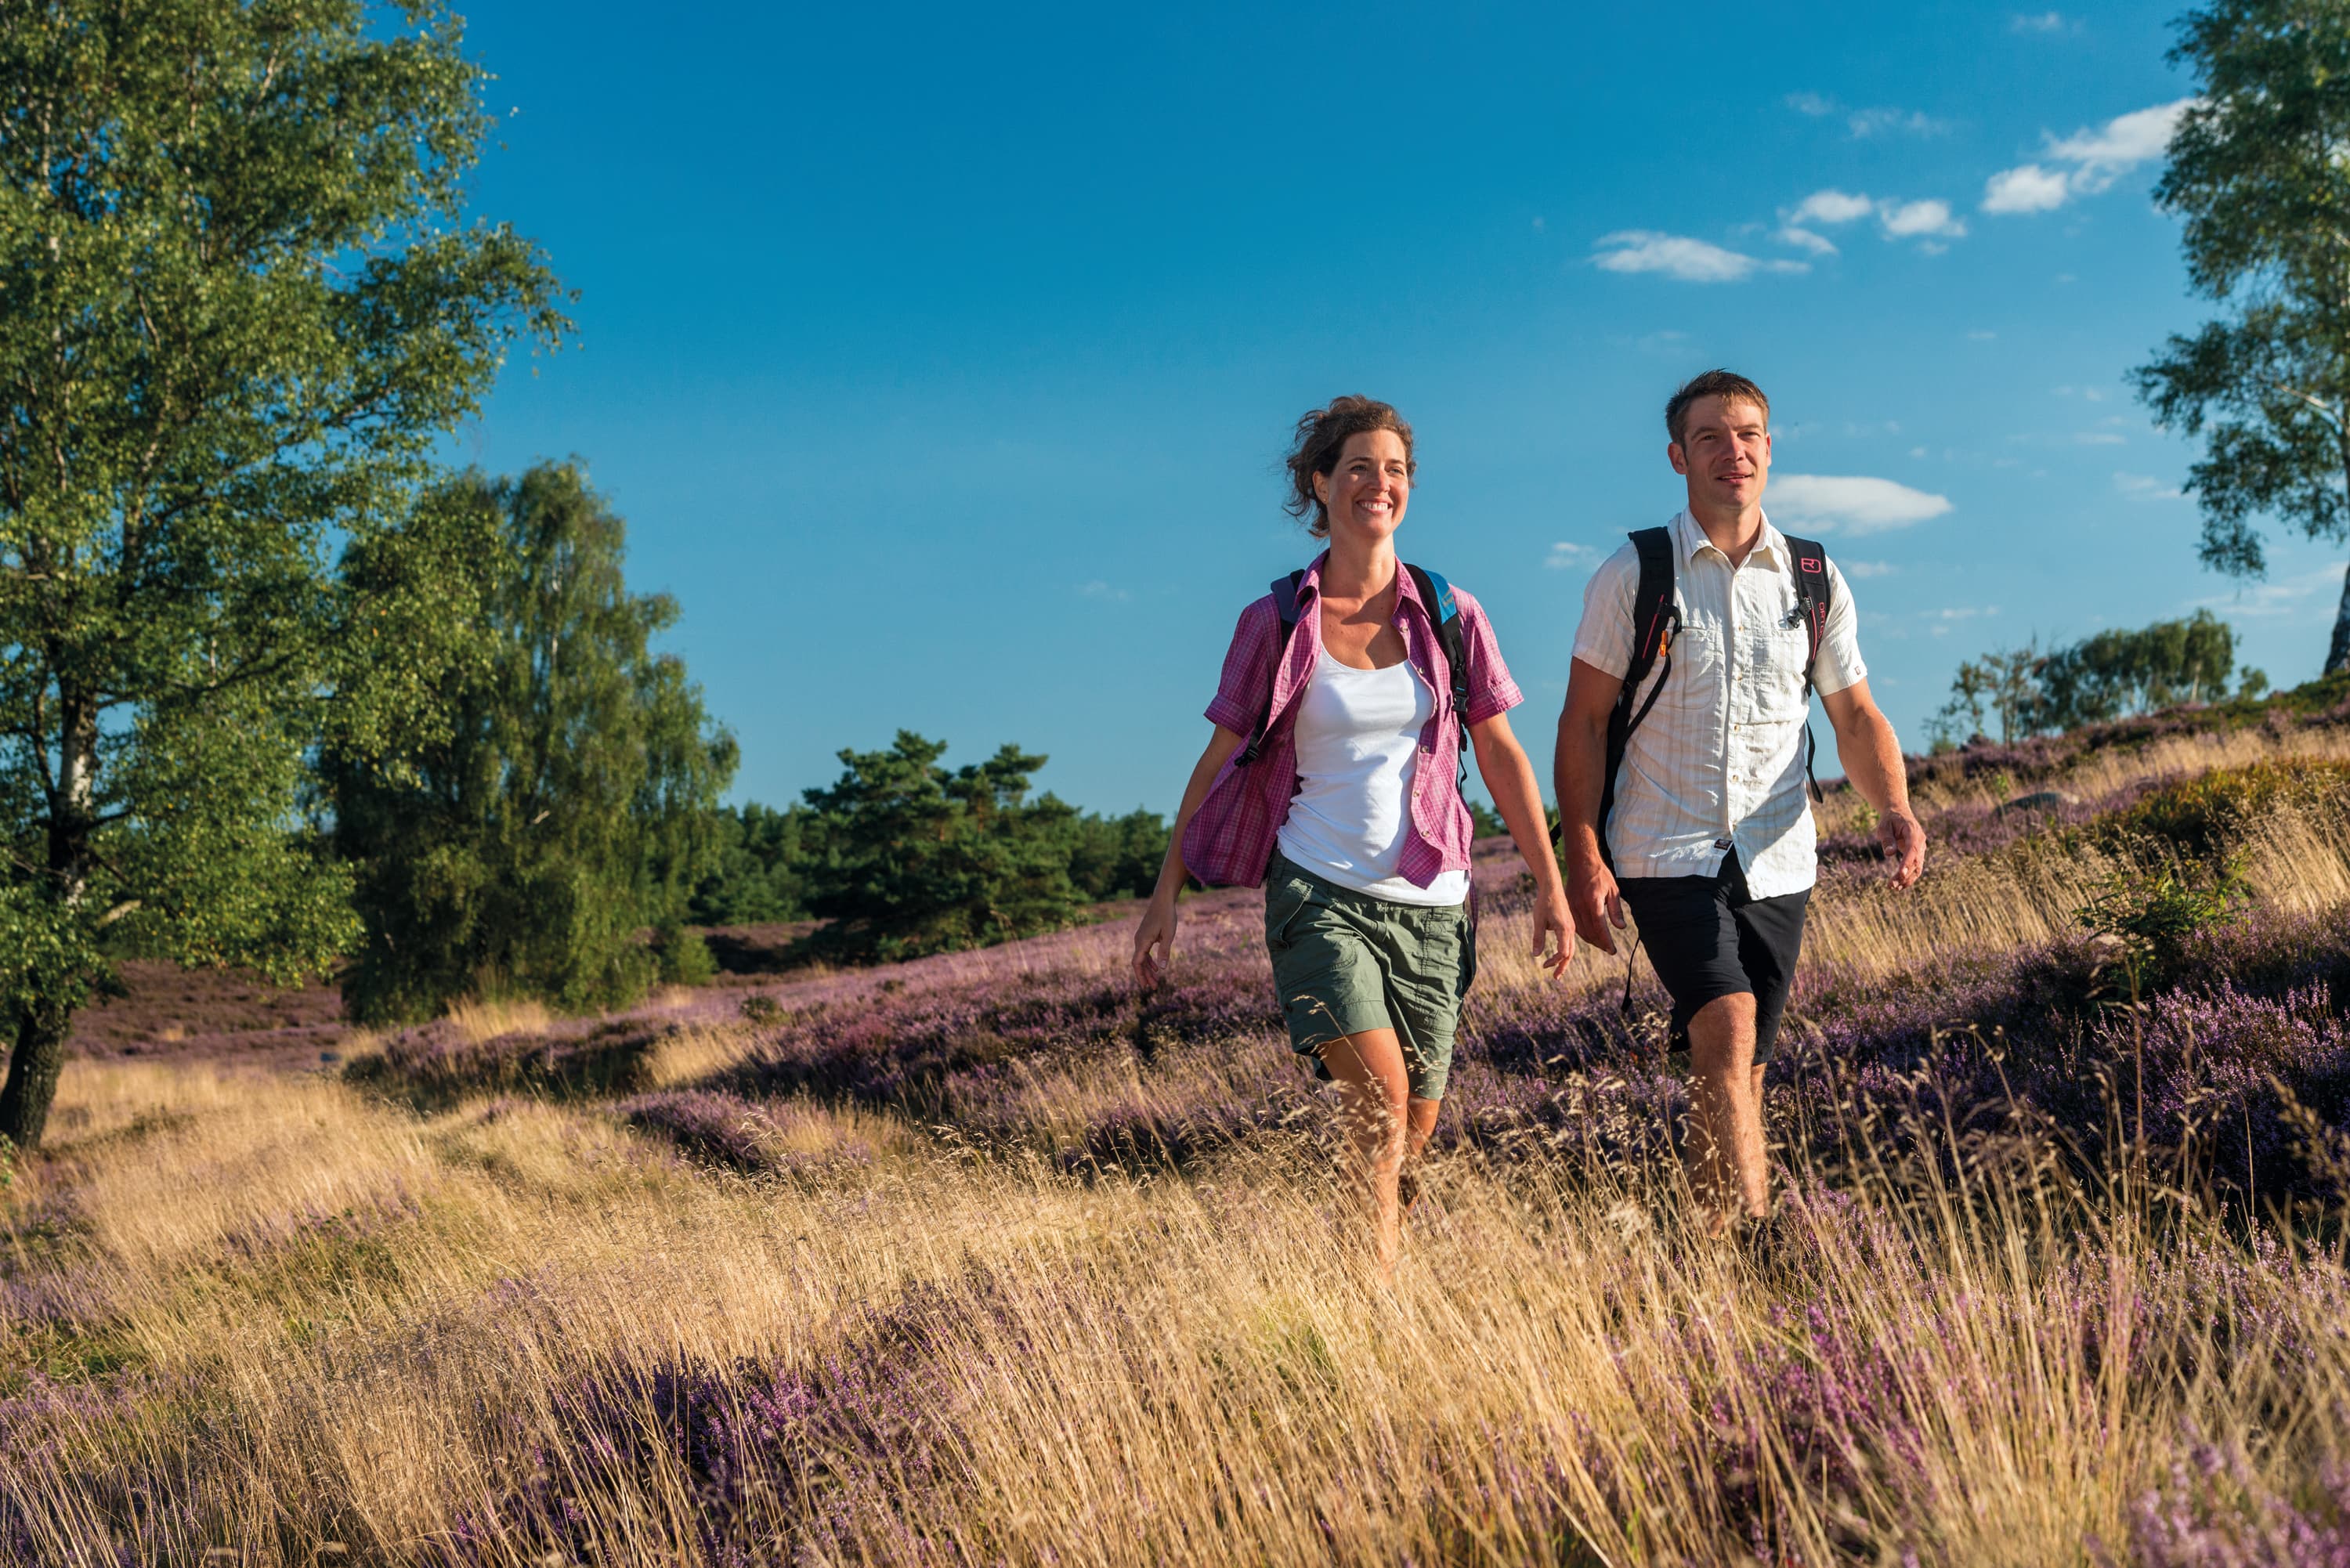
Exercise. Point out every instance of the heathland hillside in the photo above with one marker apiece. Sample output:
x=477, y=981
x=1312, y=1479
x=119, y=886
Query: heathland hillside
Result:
x=986, y=1257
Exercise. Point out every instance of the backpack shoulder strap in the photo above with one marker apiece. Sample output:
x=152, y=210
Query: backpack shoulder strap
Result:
x=1656, y=617
x=1443, y=609
x=1436, y=597
x=1813, y=593
x=1285, y=613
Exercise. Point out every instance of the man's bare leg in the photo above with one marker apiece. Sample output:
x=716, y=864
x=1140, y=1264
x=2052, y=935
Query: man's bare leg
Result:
x=1725, y=1158
x=1375, y=1089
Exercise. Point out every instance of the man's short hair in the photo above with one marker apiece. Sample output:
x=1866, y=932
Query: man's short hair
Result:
x=1727, y=385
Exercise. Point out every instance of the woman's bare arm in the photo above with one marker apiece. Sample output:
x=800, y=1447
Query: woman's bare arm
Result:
x=1509, y=780
x=1154, y=940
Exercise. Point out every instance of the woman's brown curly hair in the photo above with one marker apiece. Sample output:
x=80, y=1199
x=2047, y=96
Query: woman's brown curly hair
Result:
x=1321, y=437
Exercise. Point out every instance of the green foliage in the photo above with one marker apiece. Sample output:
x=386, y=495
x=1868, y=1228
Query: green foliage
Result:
x=567, y=806
x=2152, y=914
x=770, y=863
x=759, y=876
x=2103, y=676
x=2092, y=682
x=1117, y=857
x=2000, y=682
x=682, y=957
x=1485, y=821
x=909, y=859
x=2208, y=816
x=240, y=300
x=2256, y=173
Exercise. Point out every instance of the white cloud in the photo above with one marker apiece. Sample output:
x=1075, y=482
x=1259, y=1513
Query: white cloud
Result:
x=2045, y=22
x=2288, y=598
x=1831, y=206
x=2085, y=163
x=2098, y=438
x=1848, y=503
x=2026, y=188
x=1979, y=335
x=2144, y=487
x=1678, y=256
x=1864, y=570
x=1866, y=122
x=1803, y=239
x=1098, y=590
x=1941, y=620
x=1566, y=553
x=1927, y=219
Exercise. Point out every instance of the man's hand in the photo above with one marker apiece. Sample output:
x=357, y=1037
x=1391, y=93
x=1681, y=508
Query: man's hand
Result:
x=1591, y=892
x=1905, y=846
x=1154, y=942
x=1552, y=921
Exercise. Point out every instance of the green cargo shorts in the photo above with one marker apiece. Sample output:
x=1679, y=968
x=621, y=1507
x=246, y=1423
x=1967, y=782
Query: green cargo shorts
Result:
x=1345, y=961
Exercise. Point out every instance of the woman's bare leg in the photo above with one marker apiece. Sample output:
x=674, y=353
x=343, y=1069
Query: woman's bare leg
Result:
x=1375, y=1091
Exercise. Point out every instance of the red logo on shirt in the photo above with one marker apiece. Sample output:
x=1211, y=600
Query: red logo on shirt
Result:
x=1811, y=562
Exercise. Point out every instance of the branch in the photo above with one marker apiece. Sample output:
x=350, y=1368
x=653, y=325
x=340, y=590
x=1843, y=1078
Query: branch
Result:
x=2330, y=413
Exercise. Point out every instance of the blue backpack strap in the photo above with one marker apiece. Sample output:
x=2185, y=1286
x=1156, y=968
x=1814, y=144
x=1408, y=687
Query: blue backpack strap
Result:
x=1435, y=598
x=1814, y=592
x=1284, y=606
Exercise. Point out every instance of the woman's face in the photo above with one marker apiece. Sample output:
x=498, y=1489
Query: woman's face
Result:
x=1368, y=491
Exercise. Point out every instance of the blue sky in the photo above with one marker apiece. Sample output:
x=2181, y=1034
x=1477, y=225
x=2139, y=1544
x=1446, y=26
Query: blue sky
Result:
x=941, y=359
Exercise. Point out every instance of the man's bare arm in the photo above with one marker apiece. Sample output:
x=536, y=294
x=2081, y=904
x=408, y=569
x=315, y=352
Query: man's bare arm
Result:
x=1872, y=762
x=1578, y=767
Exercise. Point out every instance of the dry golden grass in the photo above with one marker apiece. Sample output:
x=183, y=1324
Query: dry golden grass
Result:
x=2103, y=772
x=484, y=1019
x=286, y=1315
x=1138, y=1370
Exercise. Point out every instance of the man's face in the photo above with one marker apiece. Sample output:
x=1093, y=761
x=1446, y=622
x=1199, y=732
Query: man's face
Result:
x=1725, y=452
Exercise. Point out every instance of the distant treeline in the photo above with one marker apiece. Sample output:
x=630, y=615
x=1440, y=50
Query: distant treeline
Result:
x=2032, y=692
x=903, y=857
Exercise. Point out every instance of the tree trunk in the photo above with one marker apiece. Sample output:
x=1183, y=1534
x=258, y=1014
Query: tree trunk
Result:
x=41, y=1028
x=2337, y=652
x=33, y=1069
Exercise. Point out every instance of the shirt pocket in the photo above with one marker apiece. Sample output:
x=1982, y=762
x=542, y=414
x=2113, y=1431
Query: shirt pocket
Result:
x=1773, y=687
x=1694, y=684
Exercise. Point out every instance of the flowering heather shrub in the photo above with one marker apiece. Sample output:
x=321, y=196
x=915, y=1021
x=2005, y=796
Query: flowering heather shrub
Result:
x=2322, y=703
x=434, y=1065
x=2205, y=815
x=774, y=1137
x=783, y=1463
x=2214, y=1512
x=166, y=1010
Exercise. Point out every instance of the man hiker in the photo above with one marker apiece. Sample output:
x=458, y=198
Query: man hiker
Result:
x=1682, y=758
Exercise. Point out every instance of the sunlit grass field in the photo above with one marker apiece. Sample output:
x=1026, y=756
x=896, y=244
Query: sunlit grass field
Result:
x=985, y=1259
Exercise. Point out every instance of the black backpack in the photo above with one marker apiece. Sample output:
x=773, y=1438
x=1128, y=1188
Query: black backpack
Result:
x=1434, y=592
x=1655, y=620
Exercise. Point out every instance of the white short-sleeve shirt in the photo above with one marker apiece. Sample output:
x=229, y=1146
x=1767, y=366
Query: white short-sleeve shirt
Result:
x=1718, y=764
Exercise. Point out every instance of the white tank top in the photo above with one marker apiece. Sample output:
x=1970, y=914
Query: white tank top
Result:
x=1357, y=751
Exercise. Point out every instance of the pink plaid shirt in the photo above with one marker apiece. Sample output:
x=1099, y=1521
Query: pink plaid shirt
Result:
x=1230, y=839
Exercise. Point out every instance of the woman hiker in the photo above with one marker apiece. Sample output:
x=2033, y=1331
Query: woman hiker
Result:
x=1348, y=805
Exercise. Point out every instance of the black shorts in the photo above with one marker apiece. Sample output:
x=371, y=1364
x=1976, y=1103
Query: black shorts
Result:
x=1709, y=938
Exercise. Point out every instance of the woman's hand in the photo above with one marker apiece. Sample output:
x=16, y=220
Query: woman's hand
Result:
x=1154, y=942
x=1554, y=924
